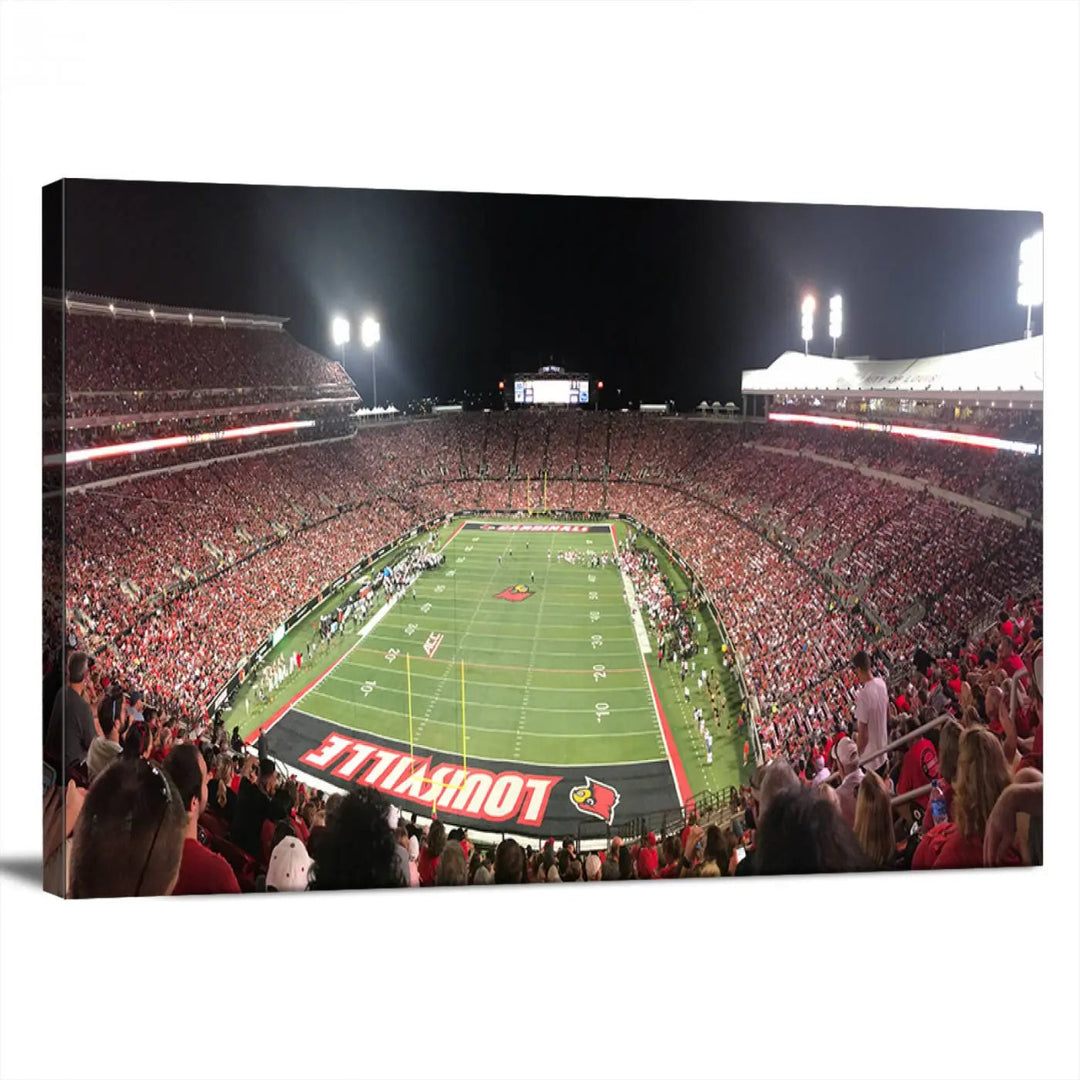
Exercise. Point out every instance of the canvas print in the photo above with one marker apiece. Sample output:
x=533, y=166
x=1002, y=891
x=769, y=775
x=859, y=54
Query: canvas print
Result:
x=405, y=538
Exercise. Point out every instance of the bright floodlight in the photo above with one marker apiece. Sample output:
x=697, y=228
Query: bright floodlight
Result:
x=836, y=317
x=1030, y=292
x=369, y=332
x=341, y=331
x=809, y=305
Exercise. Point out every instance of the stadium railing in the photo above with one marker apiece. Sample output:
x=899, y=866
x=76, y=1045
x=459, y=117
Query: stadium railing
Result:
x=910, y=737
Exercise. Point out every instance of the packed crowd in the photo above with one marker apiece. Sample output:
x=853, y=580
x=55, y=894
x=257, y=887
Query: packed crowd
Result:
x=148, y=811
x=1002, y=478
x=174, y=577
x=106, y=353
x=155, y=405
x=125, y=428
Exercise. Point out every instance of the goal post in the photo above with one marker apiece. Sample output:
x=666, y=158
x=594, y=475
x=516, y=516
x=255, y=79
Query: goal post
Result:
x=437, y=786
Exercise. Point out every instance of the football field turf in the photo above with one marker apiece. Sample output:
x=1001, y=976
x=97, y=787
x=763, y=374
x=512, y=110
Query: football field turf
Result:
x=553, y=672
x=512, y=672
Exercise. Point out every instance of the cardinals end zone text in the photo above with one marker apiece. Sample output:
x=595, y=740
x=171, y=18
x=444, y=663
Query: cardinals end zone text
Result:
x=471, y=793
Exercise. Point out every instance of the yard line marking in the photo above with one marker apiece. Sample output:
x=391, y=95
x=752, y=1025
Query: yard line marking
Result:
x=459, y=649
x=590, y=675
x=437, y=750
x=510, y=667
x=474, y=727
x=384, y=689
x=532, y=657
x=364, y=631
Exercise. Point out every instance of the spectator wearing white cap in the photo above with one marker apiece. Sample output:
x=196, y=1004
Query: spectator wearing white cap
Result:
x=847, y=758
x=290, y=867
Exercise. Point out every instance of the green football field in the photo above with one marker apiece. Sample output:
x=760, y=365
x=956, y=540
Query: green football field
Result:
x=555, y=678
x=540, y=654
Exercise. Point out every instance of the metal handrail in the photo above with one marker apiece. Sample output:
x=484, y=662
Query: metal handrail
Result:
x=912, y=795
x=895, y=744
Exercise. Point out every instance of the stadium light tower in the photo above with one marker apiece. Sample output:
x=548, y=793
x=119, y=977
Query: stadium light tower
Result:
x=836, y=319
x=339, y=329
x=369, y=338
x=809, y=305
x=1030, y=292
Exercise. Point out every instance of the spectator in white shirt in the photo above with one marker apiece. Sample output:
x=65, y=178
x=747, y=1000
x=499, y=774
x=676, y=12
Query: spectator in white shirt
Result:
x=871, y=711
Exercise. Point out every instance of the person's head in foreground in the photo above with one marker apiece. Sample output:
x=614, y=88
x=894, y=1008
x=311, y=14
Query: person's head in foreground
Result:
x=358, y=849
x=981, y=776
x=874, y=822
x=187, y=770
x=129, y=838
x=800, y=833
x=949, y=750
x=452, y=869
x=509, y=863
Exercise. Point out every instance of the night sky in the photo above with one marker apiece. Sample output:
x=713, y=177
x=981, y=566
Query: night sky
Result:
x=662, y=299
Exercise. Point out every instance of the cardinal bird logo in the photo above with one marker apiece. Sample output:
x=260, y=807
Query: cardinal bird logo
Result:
x=595, y=799
x=514, y=593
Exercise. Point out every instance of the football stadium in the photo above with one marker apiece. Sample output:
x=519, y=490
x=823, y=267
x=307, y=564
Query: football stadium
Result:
x=323, y=643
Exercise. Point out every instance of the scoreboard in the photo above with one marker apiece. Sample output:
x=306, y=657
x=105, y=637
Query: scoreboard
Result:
x=551, y=391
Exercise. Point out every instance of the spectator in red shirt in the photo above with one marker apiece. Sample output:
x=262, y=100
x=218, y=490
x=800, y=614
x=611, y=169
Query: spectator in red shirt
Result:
x=430, y=852
x=648, y=859
x=919, y=767
x=202, y=871
x=672, y=853
x=1008, y=661
x=982, y=775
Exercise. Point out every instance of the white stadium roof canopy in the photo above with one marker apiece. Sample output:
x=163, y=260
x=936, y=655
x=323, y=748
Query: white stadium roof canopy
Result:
x=1010, y=371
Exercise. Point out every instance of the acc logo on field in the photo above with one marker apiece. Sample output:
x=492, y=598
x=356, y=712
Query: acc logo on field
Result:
x=595, y=799
x=515, y=592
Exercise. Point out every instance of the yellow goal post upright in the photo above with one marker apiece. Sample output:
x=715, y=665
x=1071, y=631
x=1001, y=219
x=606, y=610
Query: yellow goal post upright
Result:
x=438, y=784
